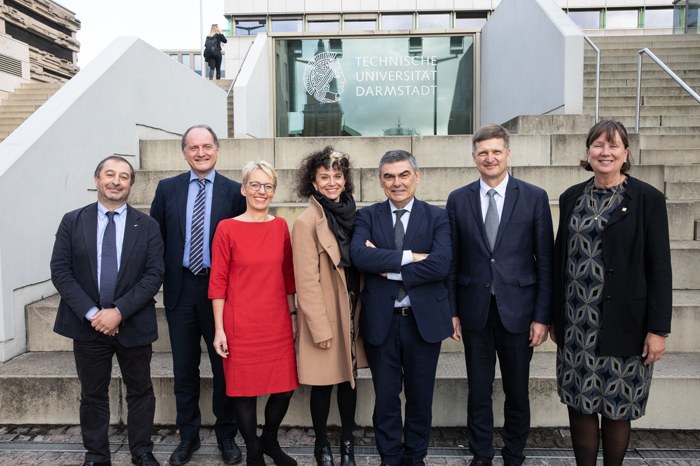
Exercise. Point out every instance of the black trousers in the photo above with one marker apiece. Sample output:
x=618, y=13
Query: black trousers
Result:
x=514, y=355
x=93, y=361
x=403, y=360
x=214, y=63
x=188, y=322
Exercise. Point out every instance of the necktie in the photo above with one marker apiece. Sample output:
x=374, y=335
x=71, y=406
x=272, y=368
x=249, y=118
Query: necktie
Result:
x=197, y=236
x=491, y=221
x=108, y=264
x=399, y=233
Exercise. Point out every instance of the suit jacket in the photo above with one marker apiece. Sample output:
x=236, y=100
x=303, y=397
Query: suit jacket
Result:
x=74, y=274
x=425, y=281
x=169, y=208
x=520, y=266
x=637, y=290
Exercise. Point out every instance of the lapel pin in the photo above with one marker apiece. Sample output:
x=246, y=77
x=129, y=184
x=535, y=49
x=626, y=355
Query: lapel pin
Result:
x=624, y=209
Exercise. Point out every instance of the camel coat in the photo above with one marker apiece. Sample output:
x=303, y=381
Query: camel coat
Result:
x=324, y=306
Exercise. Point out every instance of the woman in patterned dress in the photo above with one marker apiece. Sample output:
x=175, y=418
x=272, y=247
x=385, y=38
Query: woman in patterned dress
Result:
x=327, y=290
x=612, y=296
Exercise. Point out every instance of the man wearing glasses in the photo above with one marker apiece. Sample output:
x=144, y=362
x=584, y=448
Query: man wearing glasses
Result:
x=188, y=208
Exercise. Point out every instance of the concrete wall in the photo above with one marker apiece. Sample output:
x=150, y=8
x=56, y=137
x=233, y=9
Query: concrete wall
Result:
x=19, y=51
x=531, y=62
x=46, y=165
x=253, y=92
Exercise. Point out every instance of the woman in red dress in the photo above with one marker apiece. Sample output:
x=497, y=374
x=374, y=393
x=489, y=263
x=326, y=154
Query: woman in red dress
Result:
x=252, y=291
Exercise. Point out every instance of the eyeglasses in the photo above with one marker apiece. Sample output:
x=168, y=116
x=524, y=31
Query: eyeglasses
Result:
x=255, y=186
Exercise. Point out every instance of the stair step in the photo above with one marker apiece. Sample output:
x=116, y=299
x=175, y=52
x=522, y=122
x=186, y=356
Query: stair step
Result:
x=672, y=402
x=683, y=190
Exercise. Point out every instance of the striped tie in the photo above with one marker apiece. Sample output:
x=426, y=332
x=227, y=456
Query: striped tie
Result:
x=197, y=237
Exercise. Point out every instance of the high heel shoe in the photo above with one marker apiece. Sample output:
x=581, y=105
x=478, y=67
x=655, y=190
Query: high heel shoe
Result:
x=254, y=454
x=323, y=454
x=271, y=447
x=347, y=453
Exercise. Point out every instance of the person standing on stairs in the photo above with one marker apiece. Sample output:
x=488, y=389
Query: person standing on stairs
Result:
x=212, y=50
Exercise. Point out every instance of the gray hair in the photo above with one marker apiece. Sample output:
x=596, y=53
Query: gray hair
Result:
x=183, y=142
x=398, y=155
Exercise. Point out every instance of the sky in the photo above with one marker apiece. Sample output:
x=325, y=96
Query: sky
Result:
x=164, y=24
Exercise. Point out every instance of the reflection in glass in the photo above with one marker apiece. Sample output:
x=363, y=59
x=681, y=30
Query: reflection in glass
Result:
x=586, y=19
x=286, y=25
x=396, y=22
x=250, y=27
x=323, y=26
x=433, y=21
x=662, y=18
x=621, y=19
x=360, y=25
x=374, y=86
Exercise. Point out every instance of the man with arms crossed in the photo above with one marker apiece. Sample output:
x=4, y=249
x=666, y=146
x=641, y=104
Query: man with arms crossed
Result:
x=403, y=247
x=188, y=208
x=107, y=265
x=500, y=284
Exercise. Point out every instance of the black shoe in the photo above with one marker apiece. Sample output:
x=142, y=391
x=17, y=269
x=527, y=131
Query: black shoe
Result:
x=254, y=454
x=183, y=452
x=323, y=454
x=271, y=447
x=147, y=459
x=478, y=462
x=230, y=451
x=347, y=453
x=97, y=463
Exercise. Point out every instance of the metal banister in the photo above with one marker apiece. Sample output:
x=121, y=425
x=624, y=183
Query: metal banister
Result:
x=597, y=75
x=668, y=71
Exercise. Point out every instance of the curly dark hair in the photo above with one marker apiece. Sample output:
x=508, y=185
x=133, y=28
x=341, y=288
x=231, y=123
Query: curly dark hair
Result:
x=327, y=158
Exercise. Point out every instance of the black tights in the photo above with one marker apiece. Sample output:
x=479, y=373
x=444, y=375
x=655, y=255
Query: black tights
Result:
x=321, y=406
x=247, y=418
x=585, y=435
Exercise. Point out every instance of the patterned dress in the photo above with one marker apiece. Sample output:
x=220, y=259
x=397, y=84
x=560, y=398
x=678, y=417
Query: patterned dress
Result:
x=616, y=387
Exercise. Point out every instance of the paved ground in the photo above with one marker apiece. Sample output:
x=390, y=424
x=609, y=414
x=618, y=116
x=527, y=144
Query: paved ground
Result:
x=61, y=446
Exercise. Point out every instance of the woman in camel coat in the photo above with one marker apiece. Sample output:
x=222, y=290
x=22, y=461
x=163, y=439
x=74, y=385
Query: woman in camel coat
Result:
x=327, y=289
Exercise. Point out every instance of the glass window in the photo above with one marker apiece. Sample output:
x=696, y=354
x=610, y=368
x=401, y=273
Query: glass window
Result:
x=186, y=60
x=470, y=20
x=198, y=64
x=621, y=19
x=286, y=25
x=250, y=27
x=662, y=18
x=396, y=22
x=374, y=86
x=434, y=21
x=175, y=57
x=323, y=26
x=586, y=19
x=360, y=25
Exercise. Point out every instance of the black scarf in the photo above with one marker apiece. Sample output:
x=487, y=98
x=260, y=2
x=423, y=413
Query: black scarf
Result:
x=341, y=221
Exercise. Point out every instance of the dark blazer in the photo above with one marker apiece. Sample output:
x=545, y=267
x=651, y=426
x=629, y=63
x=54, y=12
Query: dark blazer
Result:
x=520, y=265
x=74, y=274
x=637, y=292
x=169, y=208
x=428, y=232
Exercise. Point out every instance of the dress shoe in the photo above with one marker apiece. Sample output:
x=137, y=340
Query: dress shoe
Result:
x=230, y=452
x=271, y=447
x=347, y=453
x=183, y=452
x=97, y=463
x=147, y=459
x=323, y=454
x=478, y=462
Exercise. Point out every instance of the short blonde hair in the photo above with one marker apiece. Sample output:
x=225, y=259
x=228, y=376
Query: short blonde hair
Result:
x=253, y=165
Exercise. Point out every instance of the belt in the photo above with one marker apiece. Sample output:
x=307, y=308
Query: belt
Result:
x=202, y=273
x=403, y=311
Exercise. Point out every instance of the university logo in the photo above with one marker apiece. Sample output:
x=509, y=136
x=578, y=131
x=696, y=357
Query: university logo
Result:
x=319, y=73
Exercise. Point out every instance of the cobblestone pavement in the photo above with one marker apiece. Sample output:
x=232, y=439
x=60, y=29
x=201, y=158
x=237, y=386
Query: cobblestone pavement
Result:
x=62, y=446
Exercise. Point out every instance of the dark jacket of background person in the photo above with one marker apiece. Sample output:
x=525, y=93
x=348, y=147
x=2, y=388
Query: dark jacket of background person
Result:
x=637, y=291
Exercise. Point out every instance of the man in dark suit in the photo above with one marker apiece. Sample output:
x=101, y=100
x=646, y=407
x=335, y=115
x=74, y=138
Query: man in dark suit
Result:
x=403, y=246
x=501, y=285
x=107, y=265
x=188, y=208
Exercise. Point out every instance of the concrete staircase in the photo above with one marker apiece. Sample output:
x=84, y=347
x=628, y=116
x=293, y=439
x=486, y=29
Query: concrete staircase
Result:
x=40, y=386
x=17, y=107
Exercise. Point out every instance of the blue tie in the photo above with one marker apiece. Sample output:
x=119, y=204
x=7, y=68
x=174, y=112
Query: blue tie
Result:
x=197, y=237
x=109, y=269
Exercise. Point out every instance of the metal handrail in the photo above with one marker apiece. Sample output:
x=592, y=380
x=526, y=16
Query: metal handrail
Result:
x=668, y=71
x=597, y=76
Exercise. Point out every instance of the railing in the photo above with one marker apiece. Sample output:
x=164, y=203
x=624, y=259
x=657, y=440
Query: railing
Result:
x=668, y=71
x=597, y=76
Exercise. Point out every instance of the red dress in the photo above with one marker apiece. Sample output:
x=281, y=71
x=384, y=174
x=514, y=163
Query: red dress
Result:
x=252, y=270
